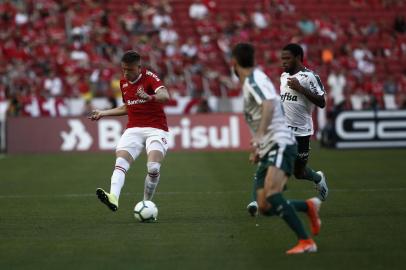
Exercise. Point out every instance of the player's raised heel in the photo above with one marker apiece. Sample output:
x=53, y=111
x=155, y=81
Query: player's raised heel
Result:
x=108, y=199
x=252, y=208
x=321, y=187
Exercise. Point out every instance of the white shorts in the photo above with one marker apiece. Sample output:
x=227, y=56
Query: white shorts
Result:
x=134, y=140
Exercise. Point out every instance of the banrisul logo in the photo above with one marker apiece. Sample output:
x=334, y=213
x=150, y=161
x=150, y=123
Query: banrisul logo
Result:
x=77, y=138
x=288, y=97
x=205, y=136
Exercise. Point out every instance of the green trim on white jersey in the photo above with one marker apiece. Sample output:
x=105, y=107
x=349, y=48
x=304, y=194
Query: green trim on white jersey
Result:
x=317, y=79
x=257, y=88
x=254, y=86
x=298, y=109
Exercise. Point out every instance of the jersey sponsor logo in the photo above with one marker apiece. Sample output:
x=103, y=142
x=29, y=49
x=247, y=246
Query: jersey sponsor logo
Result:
x=125, y=85
x=288, y=97
x=149, y=73
x=303, y=75
x=135, y=102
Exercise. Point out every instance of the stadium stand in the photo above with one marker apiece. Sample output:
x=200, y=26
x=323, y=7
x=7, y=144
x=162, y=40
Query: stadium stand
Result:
x=55, y=53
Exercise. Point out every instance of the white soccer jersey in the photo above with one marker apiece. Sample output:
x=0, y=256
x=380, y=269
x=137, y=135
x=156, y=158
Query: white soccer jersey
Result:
x=298, y=109
x=257, y=88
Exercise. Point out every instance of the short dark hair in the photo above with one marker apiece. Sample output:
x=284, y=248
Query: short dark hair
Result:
x=244, y=53
x=295, y=49
x=131, y=57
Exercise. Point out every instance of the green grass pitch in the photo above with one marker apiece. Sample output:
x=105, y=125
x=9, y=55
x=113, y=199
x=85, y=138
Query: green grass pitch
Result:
x=50, y=217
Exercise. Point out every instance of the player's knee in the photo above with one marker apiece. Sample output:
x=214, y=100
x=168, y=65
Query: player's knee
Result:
x=153, y=168
x=156, y=146
x=263, y=206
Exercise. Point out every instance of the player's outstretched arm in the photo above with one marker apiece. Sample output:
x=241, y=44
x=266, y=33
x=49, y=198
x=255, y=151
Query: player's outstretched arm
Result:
x=97, y=114
x=161, y=95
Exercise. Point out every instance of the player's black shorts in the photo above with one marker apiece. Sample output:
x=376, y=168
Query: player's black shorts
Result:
x=303, y=148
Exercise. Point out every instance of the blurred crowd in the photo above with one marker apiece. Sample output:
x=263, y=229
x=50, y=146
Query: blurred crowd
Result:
x=58, y=50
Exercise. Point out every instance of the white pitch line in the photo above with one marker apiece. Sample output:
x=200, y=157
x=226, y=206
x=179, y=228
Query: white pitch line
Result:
x=75, y=195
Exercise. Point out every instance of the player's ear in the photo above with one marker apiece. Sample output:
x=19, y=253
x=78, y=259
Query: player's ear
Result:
x=233, y=62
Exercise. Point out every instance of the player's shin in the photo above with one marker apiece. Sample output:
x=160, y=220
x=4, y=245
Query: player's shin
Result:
x=311, y=175
x=118, y=177
x=151, y=180
x=299, y=206
x=282, y=208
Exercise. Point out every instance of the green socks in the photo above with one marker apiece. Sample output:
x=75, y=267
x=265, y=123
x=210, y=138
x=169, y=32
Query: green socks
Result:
x=282, y=208
x=300, y=206
x=254, y=190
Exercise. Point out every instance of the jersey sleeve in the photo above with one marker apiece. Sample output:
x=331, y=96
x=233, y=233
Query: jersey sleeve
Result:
x=154, y=81
x=121, y=89
x=315, y=84
x=261, y=90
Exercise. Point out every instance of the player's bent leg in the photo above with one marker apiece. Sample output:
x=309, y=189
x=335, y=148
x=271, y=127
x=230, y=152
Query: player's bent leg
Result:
x=321, y=186
x=311, y=207
x=313, y=214
x=299, y=171
x=156, y=153
x=122, y=165
x=274, y=182
x=299, y=205
x=263, y=206
x=151, y=180
x=123, y=161
x=303, y=172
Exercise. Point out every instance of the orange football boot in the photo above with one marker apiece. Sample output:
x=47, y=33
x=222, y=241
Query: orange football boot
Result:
x=304, y=246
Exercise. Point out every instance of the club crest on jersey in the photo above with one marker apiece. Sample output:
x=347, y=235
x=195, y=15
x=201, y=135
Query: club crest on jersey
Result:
x=288, y=97
x=125, y=85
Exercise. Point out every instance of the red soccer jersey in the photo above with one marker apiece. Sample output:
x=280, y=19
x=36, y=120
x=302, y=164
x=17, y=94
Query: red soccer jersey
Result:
x=142, y=113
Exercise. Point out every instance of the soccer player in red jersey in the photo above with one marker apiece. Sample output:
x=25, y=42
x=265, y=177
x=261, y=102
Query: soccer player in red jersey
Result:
x=143, y=96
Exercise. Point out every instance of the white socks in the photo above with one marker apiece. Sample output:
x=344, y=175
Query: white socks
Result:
x=151, y=180
x=118, y=177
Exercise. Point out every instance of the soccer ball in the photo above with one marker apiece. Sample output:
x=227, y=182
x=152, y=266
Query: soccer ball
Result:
x=145, y=211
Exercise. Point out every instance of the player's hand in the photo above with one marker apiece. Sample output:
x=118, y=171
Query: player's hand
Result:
x=143, y=95
x=254, y=155
x=95, y=115
x=294, y=84
x=256, y=141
